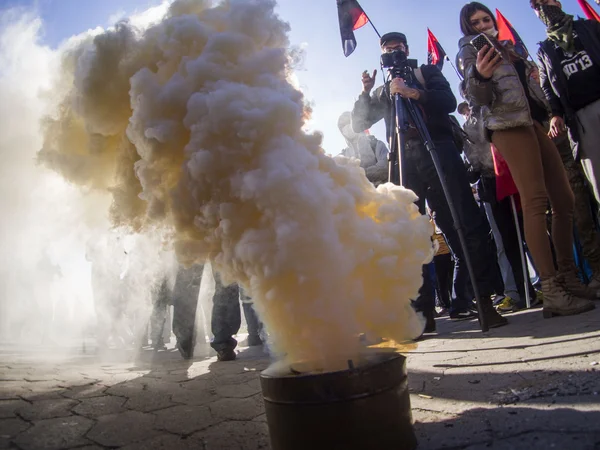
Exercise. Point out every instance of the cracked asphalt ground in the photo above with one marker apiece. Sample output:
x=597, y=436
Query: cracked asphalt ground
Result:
x=534, y=385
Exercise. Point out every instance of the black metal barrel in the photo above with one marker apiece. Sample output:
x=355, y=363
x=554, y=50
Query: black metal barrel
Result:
x=364, y=408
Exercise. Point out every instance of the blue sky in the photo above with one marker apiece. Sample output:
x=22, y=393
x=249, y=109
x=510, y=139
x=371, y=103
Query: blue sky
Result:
x=331, y=81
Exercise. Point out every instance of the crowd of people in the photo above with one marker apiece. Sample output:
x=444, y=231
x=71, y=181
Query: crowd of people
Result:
x=141, y=298
x=543, y=122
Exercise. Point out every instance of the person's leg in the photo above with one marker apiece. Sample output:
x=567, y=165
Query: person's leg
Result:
x=185, y=303
x=505, y=221
x=587, y=232
x=562, y=200
x=159, y=314
x=226, y=319
x=521, y=150
x=425, y=302
x=533, y=169
x=443, y=271
x=589, y=147
x=255, y=326
x=474, y=226
x=510, y=286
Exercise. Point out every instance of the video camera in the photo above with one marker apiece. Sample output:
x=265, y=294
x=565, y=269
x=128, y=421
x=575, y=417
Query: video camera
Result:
x=399, y=65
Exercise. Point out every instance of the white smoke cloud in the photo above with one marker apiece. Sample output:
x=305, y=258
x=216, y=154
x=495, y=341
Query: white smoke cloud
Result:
x=46, y=295
x=194, y=123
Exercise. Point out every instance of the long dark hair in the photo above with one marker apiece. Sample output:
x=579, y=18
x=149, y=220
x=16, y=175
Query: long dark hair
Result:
x=465, y=17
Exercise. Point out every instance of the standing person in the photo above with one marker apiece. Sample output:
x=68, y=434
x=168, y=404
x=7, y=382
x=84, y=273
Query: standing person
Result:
x=434, y=95
x=584, y=220
x=513, y=108
x=372, y=153
x=499, y=212
x=570, y=78
x=225, y=316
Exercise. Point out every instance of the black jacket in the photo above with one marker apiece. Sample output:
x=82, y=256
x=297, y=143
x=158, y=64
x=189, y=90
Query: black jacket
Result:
x=438, y=102
x=553, y=80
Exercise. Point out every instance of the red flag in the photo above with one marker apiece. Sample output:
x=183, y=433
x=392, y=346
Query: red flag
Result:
x=435, y=52
x=505, y=185
x=351, y=17
x=589, y=12
x=506, y=32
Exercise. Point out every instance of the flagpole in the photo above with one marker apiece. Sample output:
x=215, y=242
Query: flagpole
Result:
x=371, y=22
x=460, y=77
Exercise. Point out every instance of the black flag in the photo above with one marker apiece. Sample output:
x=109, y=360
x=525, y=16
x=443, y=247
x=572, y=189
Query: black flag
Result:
x=352, y=17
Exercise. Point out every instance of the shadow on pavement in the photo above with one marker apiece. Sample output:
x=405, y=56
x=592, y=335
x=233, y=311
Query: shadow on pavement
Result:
x=512, y=428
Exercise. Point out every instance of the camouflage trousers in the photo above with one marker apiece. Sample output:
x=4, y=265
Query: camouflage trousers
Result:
x=582, y=215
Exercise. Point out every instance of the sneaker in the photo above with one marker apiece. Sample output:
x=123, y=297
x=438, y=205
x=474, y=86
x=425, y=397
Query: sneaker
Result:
x=507, y=305
x=227, y=354
x=498, y=299
x=463, y=315
x=559, y=301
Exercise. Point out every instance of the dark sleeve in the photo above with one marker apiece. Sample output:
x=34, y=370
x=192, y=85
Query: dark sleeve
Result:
x=553, y=100
x=368, y=110
x=438, y=95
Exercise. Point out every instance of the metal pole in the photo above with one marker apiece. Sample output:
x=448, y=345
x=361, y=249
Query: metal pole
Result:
x=371, y=22
x=460, y=77
x=521, y=251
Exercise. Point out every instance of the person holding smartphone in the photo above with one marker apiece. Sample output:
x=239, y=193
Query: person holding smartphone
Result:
x=498, y=81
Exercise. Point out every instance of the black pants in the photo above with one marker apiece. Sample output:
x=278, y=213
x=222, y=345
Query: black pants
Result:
x=505, y=221
x=421, y=177
x=444, y=269
x=225, y=319
x=185, y=303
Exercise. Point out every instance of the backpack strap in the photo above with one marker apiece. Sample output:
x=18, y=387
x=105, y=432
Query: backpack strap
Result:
x=420, y=78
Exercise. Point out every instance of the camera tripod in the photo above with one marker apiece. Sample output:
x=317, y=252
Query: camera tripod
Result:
x=405, y=111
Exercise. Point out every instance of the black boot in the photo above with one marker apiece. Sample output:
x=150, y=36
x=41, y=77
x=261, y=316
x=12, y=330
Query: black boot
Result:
x=429, y=323
x=493, y=319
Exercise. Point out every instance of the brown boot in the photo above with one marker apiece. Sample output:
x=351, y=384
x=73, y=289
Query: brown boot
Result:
x=560, y=302
x=573, y=285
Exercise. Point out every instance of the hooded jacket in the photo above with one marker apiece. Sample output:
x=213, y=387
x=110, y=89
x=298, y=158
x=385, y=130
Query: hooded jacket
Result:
x=371, y=152
x=554, y=82
x=502, y=98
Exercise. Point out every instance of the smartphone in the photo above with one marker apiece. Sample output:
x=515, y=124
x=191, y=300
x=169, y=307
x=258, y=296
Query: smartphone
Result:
x=481, y=40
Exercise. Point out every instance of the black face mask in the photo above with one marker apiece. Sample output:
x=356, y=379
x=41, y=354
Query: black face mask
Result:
x=551, y=15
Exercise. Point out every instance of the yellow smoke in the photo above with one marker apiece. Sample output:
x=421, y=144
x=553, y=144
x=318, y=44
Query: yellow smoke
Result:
x=193, y=123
